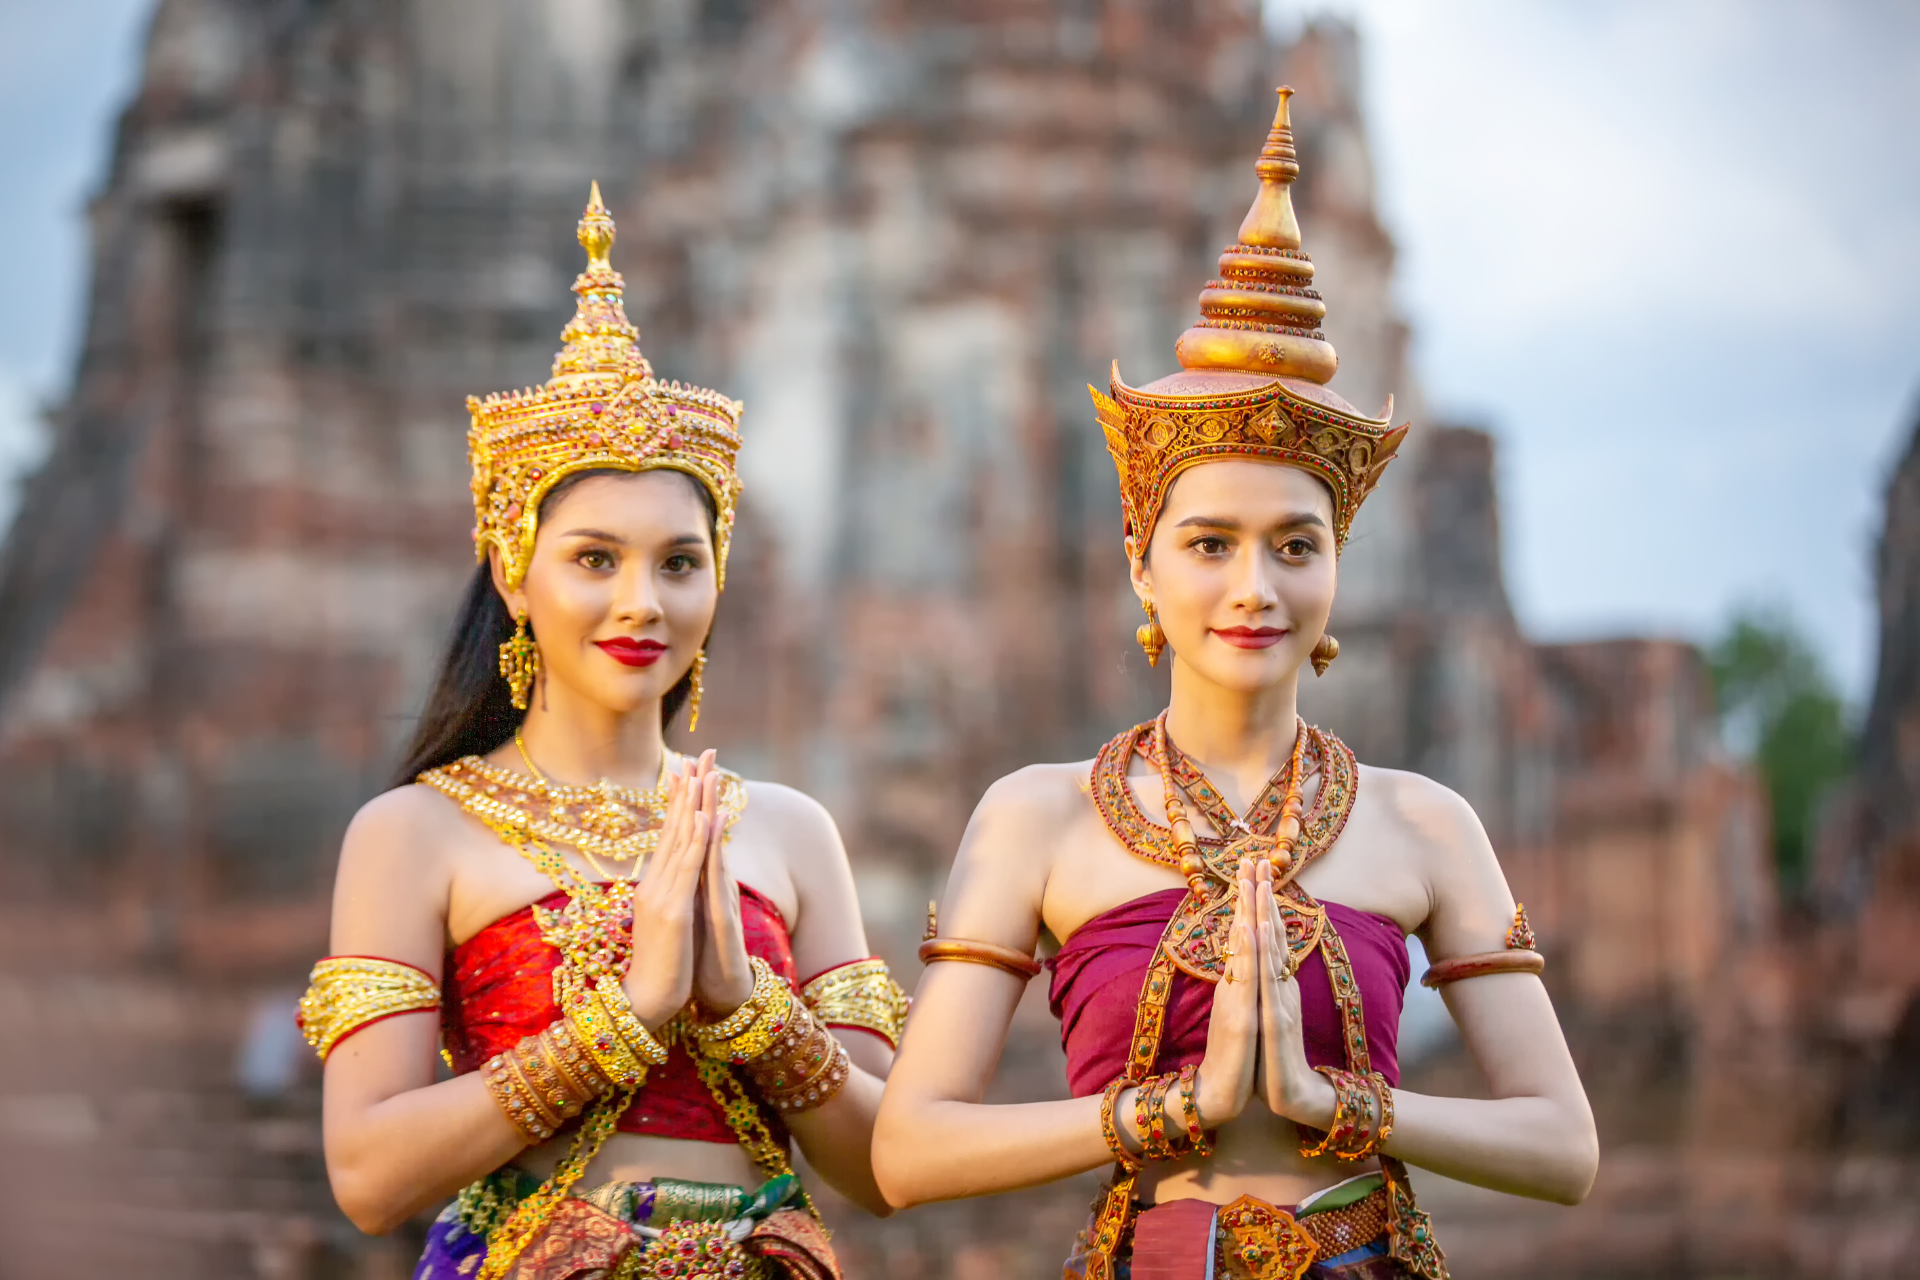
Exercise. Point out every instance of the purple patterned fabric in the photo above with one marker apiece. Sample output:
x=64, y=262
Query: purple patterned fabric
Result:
x=1098, y=972
x=452, y=1252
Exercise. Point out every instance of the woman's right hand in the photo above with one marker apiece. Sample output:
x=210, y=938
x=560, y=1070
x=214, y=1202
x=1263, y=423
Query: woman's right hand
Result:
x=1225, y=1079
x=659, y=980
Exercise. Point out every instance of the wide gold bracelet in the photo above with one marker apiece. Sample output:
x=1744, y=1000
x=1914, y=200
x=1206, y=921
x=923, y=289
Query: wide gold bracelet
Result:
x=348, y=993
x=523, y=1107
x=748, y=1030
x=860, y=994
x=804, y=1069
x=605, y=1025
x=775, y=1016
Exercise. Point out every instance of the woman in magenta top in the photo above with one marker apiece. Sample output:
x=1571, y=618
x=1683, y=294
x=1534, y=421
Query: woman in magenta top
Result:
x=1232, y=889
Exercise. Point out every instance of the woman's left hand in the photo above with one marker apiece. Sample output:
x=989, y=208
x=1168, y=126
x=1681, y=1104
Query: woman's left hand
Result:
x=1293, y=1089
x=722, y=975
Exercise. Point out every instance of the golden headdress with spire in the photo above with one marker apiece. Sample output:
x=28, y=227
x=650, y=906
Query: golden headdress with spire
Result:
x=601, y=409
x=1252, y=373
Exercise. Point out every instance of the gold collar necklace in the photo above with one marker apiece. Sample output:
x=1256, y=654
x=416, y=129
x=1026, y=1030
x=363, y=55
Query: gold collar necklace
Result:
x=604, y=820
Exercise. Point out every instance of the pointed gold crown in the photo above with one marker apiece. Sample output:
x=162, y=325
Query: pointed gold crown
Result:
x=601, y=409
x=1252, y=373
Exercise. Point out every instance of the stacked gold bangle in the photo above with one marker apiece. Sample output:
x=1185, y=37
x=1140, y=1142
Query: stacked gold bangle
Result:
x=1362, y=1116
x=1110, y=1125
x=804, y=1068
x=1158, y=1141
x=787, y=1051
x=750, y=1030
x=606, y=1027
x=544, y=1081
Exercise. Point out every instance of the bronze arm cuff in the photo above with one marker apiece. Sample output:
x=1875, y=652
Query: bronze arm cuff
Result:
x=1514, y=961
x=1005, y=959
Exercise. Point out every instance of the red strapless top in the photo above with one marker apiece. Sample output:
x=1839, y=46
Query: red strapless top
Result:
x=498, y=989
x=1098, y=973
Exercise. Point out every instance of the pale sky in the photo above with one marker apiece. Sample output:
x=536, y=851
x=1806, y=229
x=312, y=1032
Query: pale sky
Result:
x=1668, y=250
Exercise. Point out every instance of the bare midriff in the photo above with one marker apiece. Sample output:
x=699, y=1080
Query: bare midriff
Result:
x=637, y=1157
x=1255, y=1155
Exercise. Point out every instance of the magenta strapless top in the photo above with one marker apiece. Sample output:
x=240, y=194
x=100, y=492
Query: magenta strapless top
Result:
x=1098, y=973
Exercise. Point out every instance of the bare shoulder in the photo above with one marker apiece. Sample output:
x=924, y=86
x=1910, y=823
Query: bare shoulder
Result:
x=1018, y=827
x=804, y=828
x=1044, y=793
x=405, y=829
x=775, y=802
x=1443, y=838
x=1427, y=811
x=393, y=889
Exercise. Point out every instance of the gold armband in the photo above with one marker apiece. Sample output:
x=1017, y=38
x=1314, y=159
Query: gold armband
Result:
x=860, y=994
x=1519, y=957
x=347, y=993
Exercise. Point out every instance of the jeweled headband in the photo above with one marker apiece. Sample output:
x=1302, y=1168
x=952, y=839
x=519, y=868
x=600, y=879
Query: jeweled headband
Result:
x=603, y=408
x=1252, y=374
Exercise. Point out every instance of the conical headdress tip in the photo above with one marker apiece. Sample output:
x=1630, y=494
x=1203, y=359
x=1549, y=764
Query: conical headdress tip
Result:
x=596, y=232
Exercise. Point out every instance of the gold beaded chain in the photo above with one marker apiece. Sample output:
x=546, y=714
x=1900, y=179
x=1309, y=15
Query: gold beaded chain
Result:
x=594, y=935
x=507, y=1241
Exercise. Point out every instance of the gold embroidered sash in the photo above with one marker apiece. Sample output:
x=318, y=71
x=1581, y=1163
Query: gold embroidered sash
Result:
x=1194, y=940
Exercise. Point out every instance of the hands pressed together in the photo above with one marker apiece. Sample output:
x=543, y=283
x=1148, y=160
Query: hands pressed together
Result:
x=688, y=943
x=1255, y=1043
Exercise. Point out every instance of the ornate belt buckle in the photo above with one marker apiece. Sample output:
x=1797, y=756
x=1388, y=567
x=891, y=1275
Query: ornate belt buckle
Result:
x=697, y=1251
x=1260, y=1242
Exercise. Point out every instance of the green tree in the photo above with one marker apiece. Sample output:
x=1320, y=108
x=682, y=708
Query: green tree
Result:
x=1778, y=706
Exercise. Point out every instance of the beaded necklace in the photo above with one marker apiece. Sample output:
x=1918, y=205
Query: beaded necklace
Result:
x=1194, y=940
x=1196, y=937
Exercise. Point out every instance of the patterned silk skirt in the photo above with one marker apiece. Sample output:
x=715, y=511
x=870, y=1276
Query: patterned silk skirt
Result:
x=1341, y=1234
x=667, y=1229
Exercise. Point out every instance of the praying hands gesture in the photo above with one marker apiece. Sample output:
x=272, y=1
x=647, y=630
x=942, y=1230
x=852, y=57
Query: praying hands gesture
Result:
x=1255, y=1043
x=687, y=938
x=1292, y=1088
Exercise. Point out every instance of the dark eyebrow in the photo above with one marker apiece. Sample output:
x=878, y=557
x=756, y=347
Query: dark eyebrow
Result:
x=1290, y=521
x=601, y=535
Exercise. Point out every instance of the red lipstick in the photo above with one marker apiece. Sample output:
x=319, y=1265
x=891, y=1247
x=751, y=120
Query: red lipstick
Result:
x=632, y=653
x=1251, y=637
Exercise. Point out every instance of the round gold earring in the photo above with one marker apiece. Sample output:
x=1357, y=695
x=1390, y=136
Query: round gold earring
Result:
x=1325, y=650
x=1149, y=635
x=520, y=664
x=699, y=687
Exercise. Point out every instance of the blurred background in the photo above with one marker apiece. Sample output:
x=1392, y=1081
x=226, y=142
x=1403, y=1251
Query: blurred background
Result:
x=1644, y=585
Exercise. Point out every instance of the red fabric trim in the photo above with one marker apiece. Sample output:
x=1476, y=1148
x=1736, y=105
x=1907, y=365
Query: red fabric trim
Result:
x=832, y=968
x=397, y=1013
x=383, y=960
x=849, y=1026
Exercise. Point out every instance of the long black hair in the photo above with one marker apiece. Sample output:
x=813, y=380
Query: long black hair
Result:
x=470, y=712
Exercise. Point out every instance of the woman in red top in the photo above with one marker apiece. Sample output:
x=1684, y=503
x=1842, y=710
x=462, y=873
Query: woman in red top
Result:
x=1232, y=891
x=646, y=974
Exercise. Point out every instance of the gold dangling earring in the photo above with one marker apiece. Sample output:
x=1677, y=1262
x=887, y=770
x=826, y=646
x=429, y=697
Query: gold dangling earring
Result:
x=1325, y=650
x=699, y=687
x=1149, y=635
x=520, y=664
